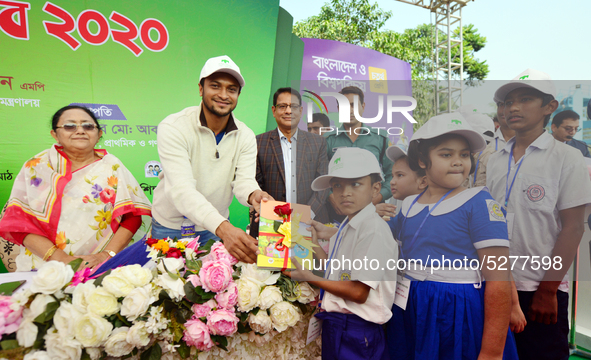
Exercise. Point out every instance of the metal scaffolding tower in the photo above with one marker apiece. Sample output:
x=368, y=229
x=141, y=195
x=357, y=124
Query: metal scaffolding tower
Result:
x=448, y=68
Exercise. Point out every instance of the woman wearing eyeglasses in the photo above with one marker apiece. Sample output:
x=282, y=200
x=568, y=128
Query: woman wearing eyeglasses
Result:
x=72, y=200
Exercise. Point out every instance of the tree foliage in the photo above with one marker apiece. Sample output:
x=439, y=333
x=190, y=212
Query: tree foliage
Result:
x=361, y=23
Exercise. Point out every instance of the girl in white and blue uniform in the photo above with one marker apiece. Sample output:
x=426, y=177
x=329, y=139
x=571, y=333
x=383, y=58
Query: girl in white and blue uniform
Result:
x=450, y=312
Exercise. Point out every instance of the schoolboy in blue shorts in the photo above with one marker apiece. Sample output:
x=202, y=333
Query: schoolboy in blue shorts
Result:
x=355, y=300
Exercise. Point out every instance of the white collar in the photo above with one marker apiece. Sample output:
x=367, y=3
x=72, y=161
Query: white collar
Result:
x=282, y=136
x=445, y=207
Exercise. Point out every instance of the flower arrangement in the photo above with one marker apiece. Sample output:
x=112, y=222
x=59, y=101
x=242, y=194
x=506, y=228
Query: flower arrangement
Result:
x=193, y=300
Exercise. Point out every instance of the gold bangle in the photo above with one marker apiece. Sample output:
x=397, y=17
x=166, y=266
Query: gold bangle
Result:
x=49, y=252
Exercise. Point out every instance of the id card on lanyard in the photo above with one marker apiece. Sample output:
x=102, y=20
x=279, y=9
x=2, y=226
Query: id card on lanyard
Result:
x=508, y=188
x=335, y=250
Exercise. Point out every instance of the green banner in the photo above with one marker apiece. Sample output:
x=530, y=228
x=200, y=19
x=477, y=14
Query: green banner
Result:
x=132, y=63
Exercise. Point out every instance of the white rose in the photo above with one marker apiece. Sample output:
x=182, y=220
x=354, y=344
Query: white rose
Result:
x=94, y=353
x=136, y=274
x=65, y=318
x=51, y=277
x=137, y=302
x=138, y=335
x=61, y=348
x=102, y=302
x=307, y=293
x=20, y=299
x=39, y=305
x=92, y=330
x=174, y=288
x=270, y=296
x=261, y=322
x=27, y=331
x=117, y=344
x=284, y=315
x=37, y=355
x=262, y=277
x=248, y=294
x=118, y=284
x=172, y=264
x=80, y=296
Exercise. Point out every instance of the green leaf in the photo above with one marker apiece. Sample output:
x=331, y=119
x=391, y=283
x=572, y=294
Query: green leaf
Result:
x=193, y=265
x=220, y=341
x=243, y=317
x=171, y=274
x=153, y=353
x=75, y=264
x=99, y=280
x=47, y=315
x=276, y=225
x=191, y=294
x=243, y=328
x=207, y=246
x=9, y=344
x=184, y=350
x=41, y=331
x=85, y=355
x=203, y=294
x=255, y=310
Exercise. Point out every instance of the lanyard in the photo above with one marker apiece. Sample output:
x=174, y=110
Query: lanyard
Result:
x=507, y=187
x=476, y=170
x=424, y=220
x=496, y=144
x=335, y=249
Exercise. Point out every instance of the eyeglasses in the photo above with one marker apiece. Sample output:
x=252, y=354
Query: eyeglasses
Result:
x=283, y=107
x=571, y=129
x=74, y=127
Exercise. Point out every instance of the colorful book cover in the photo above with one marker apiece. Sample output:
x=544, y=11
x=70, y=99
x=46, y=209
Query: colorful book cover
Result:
x=272, y=235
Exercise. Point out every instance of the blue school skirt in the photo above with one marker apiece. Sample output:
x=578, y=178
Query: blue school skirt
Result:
x=349, y=337
x=441, y=321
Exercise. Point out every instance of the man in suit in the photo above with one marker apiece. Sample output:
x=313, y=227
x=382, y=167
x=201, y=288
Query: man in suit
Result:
x=564, y=127
x=288, y=160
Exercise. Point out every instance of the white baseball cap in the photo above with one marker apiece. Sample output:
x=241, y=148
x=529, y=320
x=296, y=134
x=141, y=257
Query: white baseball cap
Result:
x=221, y=64
x=451, y=123
x=465, y=110
x=482, y=124
x=348, y=163
x=395, y=152
x=529, y=78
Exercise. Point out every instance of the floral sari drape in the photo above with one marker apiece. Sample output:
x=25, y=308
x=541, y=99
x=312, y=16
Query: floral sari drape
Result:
x=78, y=211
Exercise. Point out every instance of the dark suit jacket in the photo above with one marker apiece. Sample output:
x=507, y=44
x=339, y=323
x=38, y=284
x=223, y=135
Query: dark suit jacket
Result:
x=311, y=162
x=582, y=146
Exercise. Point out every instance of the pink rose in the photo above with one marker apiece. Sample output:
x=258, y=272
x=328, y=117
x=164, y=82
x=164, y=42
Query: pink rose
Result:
x=108, y=196
x=218, y=252
x=9, y=319
x=222, y=322
x=202, y=310
x=197, y=334
x=215, y=276
x=194, y=279
x=229, y=298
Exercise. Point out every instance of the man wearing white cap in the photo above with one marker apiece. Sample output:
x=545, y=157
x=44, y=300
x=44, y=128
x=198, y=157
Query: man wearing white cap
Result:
x=543, y=186
x=208, y=157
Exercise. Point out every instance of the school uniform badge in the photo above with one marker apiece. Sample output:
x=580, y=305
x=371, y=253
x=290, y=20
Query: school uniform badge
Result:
x=345, y=275
x=535, y=192
x=494, y=211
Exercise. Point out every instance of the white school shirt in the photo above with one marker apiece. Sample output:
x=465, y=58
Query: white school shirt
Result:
x=552, y=177
x=365, y=236
x=499, y=141
x=289, y=166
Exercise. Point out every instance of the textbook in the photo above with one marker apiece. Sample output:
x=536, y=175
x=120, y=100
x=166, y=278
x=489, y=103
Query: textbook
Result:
x=283, y=234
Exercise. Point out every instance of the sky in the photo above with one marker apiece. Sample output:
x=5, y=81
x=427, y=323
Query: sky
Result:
x=550, y=36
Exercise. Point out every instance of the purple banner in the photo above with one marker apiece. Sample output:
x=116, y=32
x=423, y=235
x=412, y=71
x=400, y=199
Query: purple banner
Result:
x=329, y=65
x=104, y=111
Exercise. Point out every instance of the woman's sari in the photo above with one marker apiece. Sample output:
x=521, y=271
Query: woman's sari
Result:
x=79, y=211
